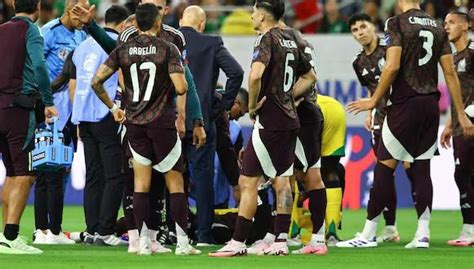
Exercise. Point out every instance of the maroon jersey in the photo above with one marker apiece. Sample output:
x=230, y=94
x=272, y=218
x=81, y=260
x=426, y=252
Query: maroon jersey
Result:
x=423, y=41
x=146, y=63
x=167, y=33
x=278, y=51
x=464, y=63
x=368, y=69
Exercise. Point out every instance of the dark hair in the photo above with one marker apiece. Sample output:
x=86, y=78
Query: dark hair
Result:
x=275, y=7
x=358, y=17
x=46, y=5
x=26, y=6
x=463, y=15
x=244, y=96
x=376, y=2
x=116, y=14
x=168, y=2
x=146, y=15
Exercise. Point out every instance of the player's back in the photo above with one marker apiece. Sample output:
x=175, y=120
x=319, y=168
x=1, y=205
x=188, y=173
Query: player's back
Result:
x=423, y=41
x=278, y=50
x=146, y=62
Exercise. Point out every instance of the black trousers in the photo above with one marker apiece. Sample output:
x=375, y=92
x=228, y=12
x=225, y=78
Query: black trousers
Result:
x=49, y=191
x=104, y=179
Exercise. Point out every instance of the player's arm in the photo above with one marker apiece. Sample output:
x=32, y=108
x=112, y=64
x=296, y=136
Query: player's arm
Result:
x=35, y=51
x=304, y=83
x=452, y=81
x=255, y=84
x=104, y=73
x=85, y=16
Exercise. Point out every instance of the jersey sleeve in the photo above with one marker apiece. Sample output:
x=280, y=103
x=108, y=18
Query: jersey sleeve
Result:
x=445, y=46
x=263, y=50
x=306, y=62
x=393, y=33
x=358, y=74
x=175, y=63
x=113, y=61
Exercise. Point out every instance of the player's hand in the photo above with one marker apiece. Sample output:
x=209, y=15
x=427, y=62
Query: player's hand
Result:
x=236, y=193
x=49, y=113
x=199, y=136
x=253, y=110
x=82, y=14
x=361, y=105
x=466, y=125
x=119, y=116
x=445, y=139
x=181, y=126
x=368, y=122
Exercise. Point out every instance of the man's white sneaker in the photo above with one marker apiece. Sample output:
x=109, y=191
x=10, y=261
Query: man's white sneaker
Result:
x=60, y=239
x=389, y=235
x=144, y=245
x=258, y=247
x=109, y=240
x=233, y=248
x=39, y=237
x=185, y=250
x=157, y=247
x=277, y=249
x=422, y=242
x=17, y=246
x=358, y=242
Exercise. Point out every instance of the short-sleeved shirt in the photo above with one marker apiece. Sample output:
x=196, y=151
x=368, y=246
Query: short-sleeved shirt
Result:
x=283, y=60
x=423, y=41
x=146, y=63
x=334, y=128
x=464, y=64
x=167, y=33
x=368, y=68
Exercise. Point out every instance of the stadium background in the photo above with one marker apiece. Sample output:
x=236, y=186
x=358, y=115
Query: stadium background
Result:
x=335, y=78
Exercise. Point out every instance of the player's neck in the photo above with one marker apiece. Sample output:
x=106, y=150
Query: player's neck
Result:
x=66, y=21
x=462, y=43
x=266, y=26
x=23, y=14
x=371, y=46
x=408, y=5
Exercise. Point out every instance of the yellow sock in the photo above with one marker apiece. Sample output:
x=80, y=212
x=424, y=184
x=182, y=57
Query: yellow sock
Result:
x=333, y=210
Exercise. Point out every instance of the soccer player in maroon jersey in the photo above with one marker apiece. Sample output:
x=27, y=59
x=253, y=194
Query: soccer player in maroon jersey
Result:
x=275, y=65
x=416, y=43
x=152, y=70
x=368, y=66
x=457, y=25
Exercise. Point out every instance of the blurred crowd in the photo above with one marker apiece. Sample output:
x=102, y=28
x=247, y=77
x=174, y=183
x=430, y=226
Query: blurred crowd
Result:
x=233, y=17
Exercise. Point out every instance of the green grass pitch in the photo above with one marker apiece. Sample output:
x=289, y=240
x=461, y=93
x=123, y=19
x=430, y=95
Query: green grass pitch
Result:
x=445, y=225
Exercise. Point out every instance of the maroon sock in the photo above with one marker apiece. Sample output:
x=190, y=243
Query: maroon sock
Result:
x=423, y=186
x=390, y=214
x=179, y=210
x=141, y=209
x=282, y=225
x=380, y=192
x=242, y=229
x=317, y=207
x=157, y=192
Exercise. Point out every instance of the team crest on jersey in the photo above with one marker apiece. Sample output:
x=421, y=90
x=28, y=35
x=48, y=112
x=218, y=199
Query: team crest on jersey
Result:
x=255, y=54
x=388, y=40
x=381, y=63
x=63, y=53
x=462, y=66
x=184, y=55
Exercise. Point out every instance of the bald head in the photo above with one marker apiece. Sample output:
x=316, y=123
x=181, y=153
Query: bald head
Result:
x=194, y=17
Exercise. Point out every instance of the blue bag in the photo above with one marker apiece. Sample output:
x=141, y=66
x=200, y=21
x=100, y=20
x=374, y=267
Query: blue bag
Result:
x=50, y=153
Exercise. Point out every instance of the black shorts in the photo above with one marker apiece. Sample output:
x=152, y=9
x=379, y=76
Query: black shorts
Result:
x=14, y=124
x=151, y=145
x=410, y=130
x=308, y=146
x=269, y=153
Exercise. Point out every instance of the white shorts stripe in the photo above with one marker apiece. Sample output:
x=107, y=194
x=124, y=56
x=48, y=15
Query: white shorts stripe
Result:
x=317, y=165
x=394, y=147
x=171, y=159
x=261, y=151
x=139, y=158
x=299, y=152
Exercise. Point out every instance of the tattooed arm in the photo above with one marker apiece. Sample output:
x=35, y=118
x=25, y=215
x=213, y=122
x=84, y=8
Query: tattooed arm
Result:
x=104, y=73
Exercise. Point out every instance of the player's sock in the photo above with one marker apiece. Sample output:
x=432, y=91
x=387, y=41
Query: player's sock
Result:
x=466, y=193
x=381, y=190
x=424, y=195
x=370, y=228
x=390, y=214
x=423, y=229
x=179, y=213
x=468, y=229
x=127, y=201
x=333, y=207
x=141, y=210
x=242, y=229
x=317, y=207
x=282, y=226
x=269, y=238
x=11, y=231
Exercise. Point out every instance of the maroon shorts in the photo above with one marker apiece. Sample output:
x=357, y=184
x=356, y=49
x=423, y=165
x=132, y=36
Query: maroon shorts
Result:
x=464, y=156
x=410, y=130
x=270, y=153
x=151, y=145
x=308, y=146
x=13, y=131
